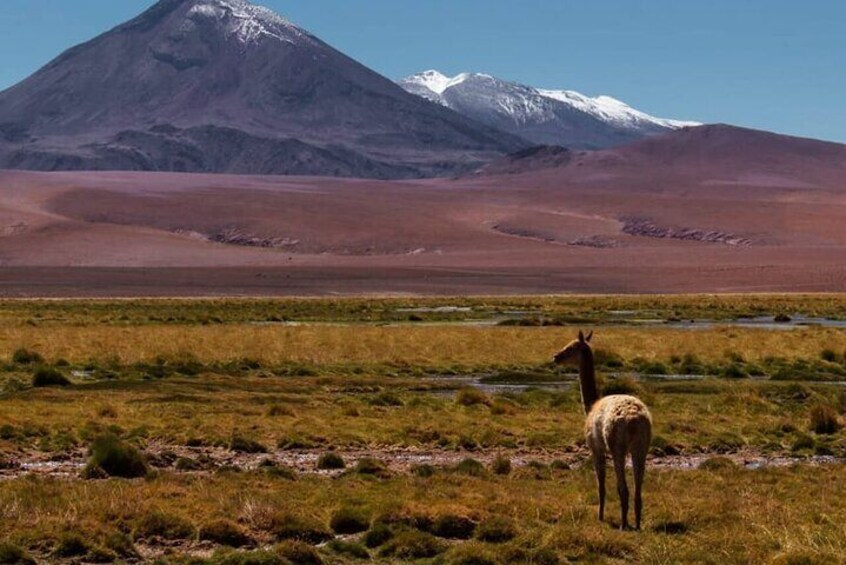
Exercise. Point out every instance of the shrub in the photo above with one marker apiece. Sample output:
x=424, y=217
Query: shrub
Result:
x=162, y=525
x=349, y=548
x=299, y=553
x=329, y=461
x=48, y=376
x=453, y=526
x=245, y=445
x=225, y=532
x=71, y=545
x=286, y=526
x=115, y=458
x=470, y=466
x=496, y=529
x=413, y=545
x=501, y=465
x=471, y=397
x=349, y=520
x=378, y=535
x=824, y=419
x=26, y=357
x=12, y=554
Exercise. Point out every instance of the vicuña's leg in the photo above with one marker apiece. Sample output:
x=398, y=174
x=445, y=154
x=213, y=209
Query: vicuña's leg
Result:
x=622, y=487
x=639, y=467
x=599, y=467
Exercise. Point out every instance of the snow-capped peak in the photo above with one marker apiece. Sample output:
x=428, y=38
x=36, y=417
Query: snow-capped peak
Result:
x=612, y=110
x=245, y=21
x=436, y=81
x=563, y=117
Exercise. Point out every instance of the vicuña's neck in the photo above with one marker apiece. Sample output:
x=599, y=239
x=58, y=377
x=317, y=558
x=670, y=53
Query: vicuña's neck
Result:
x=587, y=379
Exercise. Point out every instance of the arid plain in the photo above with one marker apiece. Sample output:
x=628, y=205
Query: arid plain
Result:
x=710, y=209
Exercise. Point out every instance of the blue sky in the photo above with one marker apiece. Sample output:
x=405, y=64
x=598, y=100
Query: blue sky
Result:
x=769, y=64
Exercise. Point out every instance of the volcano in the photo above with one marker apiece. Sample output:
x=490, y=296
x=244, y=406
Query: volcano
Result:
x=227, y=86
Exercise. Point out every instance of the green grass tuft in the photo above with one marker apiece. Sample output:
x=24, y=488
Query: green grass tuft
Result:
x=349, y=520
x=47, y=377
x=331, y=461
x=115, y=458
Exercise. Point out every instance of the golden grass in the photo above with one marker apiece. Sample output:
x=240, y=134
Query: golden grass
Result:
x=691, y=516
x=424, y=345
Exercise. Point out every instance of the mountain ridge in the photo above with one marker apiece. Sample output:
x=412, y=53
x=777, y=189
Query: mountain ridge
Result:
x=543, y=116
x=184, y=68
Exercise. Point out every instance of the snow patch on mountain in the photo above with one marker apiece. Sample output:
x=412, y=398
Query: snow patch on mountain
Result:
x=543, y=116
x=247, y=22
x=612, y=110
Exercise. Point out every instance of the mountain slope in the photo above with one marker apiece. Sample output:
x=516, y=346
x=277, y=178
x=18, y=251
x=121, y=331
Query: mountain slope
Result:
x=227, y=86
x=557, y=117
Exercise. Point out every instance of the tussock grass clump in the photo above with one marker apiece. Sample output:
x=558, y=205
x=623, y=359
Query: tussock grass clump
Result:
x=378, y=535
x=625, y=384
x=225, y=532
x=470, y=396
x=71, y=545
x=116, y=458
x=12, y=554
x=370, y=466
x=352, y=549
x=48, y=376
x=387, y=399
x=349, y=520
x=298, y=552
x=164, y=525
x=454, y=526
x=718, y=464
x=501, y=465
x=423, y=471
x=24, y=356
x=828, y=355
x=473, y=554
x=412, y=544
x=503, y=407
x=824, y=419
x=331, y=461
x=471, y=467
x=107, y=411
x=241, y=444
x=285, y=526
x=276, y=410
x=496, y=529
x=121, y=544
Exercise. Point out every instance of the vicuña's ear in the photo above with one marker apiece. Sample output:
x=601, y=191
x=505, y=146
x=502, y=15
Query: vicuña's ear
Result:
x=581, y=336
x=590, y=335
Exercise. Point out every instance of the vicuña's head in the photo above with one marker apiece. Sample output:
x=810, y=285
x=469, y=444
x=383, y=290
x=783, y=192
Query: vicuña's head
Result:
x=573, y=352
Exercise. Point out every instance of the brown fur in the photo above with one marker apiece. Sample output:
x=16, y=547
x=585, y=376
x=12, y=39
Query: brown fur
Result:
x=619, y=424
